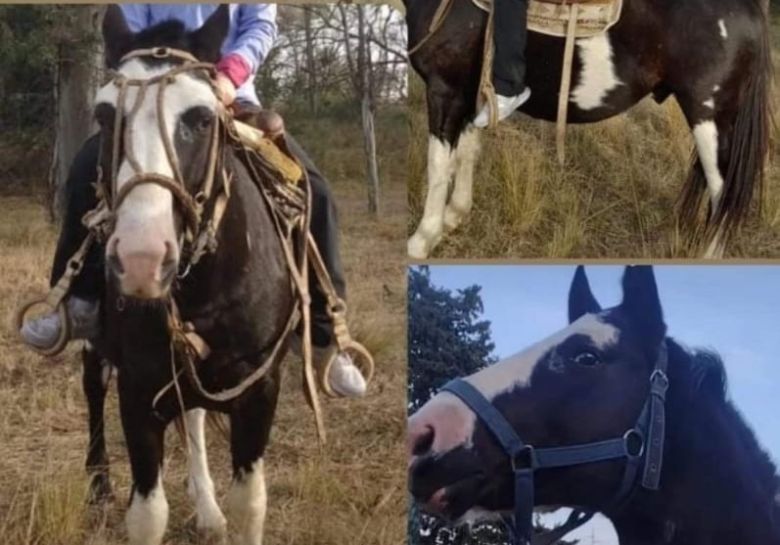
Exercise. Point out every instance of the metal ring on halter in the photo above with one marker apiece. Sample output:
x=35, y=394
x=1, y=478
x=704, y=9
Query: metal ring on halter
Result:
x=64, y=336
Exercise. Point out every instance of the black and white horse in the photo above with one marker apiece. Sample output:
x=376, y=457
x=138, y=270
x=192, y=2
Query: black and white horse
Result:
x=697, y=475
x=239, y=298
x=712, y=55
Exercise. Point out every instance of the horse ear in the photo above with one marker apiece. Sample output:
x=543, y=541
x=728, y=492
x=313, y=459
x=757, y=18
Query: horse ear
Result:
x=642, y=303
x=581, y=300
x=207, y=40
x=117, y=36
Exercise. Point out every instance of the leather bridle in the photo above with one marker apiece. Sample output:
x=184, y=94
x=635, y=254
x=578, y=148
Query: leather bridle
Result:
x=191, y=205
x=642, y=447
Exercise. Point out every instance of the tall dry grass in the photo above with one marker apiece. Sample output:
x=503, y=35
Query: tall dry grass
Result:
x=615, y=198
x=351, y=492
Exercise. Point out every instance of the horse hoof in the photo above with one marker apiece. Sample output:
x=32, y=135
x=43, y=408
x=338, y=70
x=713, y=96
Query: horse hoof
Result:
x=417, y=247
x=211, y=536
x=453, y=218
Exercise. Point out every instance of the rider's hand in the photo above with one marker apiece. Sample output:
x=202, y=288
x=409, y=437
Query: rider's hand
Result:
x=226, y=91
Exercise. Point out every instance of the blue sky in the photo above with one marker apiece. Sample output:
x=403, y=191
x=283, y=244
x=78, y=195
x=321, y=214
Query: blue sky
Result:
x=734, y=310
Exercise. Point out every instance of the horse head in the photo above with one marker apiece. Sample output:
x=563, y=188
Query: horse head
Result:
x=163, y=136
x=584, y=384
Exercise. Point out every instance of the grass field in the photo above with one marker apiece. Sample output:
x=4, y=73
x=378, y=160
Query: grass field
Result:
x=616, y=196
x=351, y=492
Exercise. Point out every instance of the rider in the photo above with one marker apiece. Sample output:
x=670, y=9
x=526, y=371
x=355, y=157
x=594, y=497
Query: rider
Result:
x=510, y=33
x=251, y=36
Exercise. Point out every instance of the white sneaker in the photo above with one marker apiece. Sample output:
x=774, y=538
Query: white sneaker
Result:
x=506, y=106
x=43, y=332
x=345, y=378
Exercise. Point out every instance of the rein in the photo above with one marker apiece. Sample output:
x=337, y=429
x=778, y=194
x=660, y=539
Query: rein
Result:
x=642, y=445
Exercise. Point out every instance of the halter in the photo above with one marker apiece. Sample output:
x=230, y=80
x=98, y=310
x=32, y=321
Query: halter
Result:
x=641, y=445
x=190, y=205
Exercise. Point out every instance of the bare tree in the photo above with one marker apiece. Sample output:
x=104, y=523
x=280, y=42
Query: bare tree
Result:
x=367, y=110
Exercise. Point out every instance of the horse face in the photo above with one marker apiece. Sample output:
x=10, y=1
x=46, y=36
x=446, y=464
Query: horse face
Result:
x=586, y=383
x=143, y=250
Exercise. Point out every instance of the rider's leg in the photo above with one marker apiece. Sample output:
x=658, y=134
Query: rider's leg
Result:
x=510, y=33
x=344, y=378
x=88, y=286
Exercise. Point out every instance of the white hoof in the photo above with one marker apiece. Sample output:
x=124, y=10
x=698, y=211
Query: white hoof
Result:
x=418, y=247
x=453, y=217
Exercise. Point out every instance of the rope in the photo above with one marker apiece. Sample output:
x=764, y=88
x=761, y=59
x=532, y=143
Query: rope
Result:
x=563, y=95
x=487, y=92
x=438, y=19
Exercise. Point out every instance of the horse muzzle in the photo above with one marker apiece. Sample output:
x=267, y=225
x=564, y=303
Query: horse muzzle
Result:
x=143, y=272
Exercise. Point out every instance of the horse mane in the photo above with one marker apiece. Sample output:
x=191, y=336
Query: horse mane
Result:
x=702, y=376
x=171, y=33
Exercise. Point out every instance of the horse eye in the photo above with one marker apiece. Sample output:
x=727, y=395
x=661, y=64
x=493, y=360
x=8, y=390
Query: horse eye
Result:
x=198, y=118
x=588, y=359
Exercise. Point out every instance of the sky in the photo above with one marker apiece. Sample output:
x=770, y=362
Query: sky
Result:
x=734, y=310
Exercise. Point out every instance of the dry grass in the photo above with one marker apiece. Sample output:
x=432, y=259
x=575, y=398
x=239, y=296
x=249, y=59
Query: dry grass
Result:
x=352, y=492
x=615, y=198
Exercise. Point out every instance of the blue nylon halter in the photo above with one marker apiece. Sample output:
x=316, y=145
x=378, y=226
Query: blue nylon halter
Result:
x=525, y=459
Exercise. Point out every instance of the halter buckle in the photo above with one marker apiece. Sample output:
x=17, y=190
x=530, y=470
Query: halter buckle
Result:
x=631, y=439
x=524, y=459
x=161, y=53
x=659, y=382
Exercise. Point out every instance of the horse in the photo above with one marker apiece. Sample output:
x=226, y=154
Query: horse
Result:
x=238, y=296
x=607, y=415
x=713, y=56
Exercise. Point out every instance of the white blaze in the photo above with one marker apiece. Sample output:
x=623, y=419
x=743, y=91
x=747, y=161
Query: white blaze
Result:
x=504, y=376
x=148, y=208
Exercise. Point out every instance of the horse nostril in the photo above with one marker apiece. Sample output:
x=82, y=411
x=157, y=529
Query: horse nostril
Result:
x=423, y=442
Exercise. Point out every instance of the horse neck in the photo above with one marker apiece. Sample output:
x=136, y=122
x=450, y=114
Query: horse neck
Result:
x=717, y=487
x=247, y=276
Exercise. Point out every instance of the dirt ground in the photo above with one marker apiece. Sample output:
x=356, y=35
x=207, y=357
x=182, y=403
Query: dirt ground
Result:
x=353, y=491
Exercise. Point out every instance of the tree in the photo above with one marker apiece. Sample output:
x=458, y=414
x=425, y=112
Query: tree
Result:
x=446, y=337
x=78, y=73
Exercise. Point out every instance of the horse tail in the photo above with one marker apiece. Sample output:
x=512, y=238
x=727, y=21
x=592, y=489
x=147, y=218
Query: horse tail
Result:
x=746, y=156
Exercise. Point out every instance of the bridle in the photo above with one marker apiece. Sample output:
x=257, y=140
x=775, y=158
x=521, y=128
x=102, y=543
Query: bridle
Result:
x=199, y=232
x=641, y=446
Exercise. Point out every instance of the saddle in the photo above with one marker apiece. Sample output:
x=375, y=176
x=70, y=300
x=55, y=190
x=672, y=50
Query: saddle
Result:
x=551, y=17
x=569, y=19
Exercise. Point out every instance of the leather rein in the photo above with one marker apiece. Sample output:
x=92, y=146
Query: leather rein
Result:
x=642, y=446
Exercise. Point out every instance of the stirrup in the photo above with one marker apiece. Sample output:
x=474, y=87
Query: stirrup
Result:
x=65, y=326
x=55, y=301
x=361, y=357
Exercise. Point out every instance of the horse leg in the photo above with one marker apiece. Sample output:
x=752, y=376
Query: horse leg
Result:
x=466, y=155
x=447, y=113
x=730, y=123
x=95, y=383
x=209, y=519
x=250, y=427
x=147, y=515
